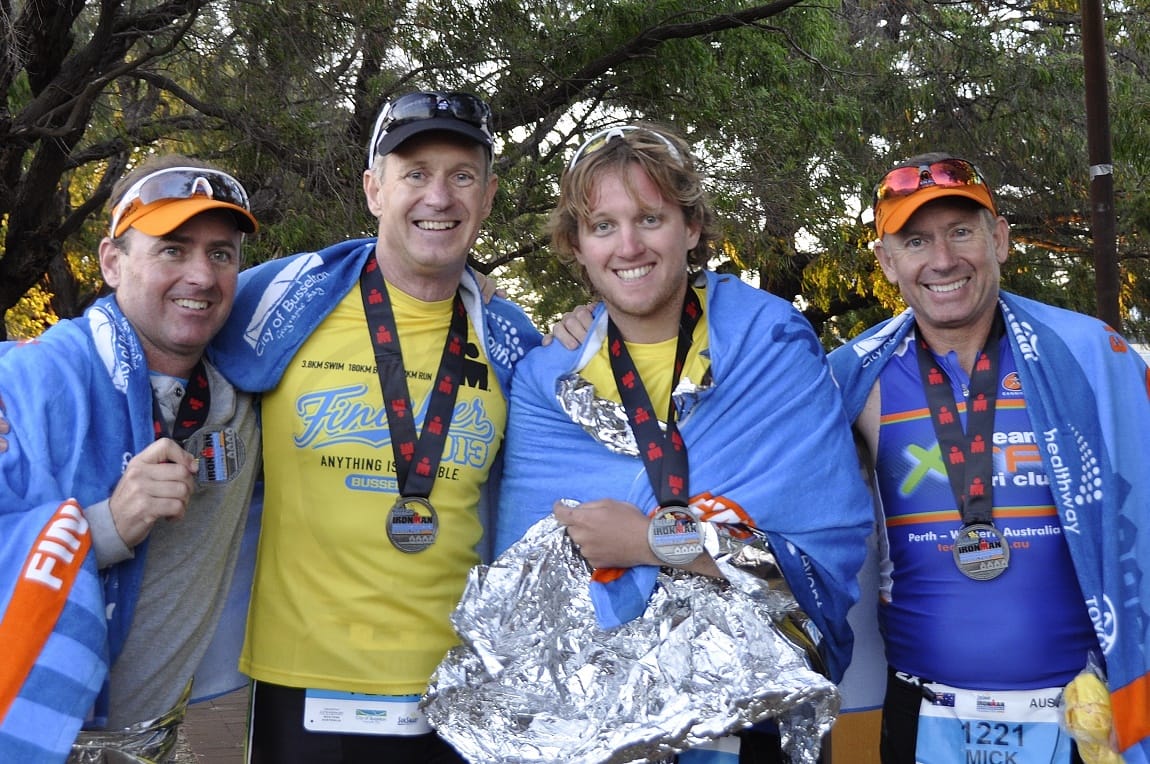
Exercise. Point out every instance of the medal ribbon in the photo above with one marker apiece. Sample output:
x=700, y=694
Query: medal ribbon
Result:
x=424, y=449
x=193, y=409
x=664, y=455
x=968, y=456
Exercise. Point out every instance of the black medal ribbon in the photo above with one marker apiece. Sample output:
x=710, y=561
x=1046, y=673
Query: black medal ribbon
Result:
x=423, y=450
x=193, y=410
x=664, y=455
x=969, y=455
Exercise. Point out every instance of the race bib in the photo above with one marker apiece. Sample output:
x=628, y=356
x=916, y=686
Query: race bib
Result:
x=990, y=727
x=362, y=714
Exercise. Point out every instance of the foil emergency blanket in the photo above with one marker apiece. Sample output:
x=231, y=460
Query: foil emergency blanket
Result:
x=148, y=742
x=605, y=420
x=535, y=680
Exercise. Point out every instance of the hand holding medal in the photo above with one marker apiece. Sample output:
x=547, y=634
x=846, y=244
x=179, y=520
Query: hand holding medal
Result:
x=156, y=484
x=608, y=533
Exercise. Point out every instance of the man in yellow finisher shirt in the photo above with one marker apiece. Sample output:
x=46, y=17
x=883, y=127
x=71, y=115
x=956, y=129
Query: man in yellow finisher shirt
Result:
x=385, y=378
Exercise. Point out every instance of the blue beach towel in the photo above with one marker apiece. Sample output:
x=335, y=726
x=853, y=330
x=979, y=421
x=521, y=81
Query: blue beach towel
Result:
x=54, y=651
x=88, y=373
x=280, y=303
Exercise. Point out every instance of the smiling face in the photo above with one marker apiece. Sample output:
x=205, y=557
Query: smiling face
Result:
x=946, y=262
x=431, y=195
x=634, y=250
x=177, y=289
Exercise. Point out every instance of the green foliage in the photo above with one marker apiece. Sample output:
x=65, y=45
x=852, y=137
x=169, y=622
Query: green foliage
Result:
x=31, y=316
x=795, y=112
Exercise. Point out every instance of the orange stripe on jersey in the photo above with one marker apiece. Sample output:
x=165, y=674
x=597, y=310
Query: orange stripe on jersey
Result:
x=924, y=413
x=952, y=515
x=41, y=592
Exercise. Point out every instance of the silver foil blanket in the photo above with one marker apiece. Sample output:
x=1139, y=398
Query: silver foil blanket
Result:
x=148, y=742
x=535, y=680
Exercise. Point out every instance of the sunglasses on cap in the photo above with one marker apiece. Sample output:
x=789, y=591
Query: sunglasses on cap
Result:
x=415, y=107
x=945, y=173
x=600, y=139
x=179, y=183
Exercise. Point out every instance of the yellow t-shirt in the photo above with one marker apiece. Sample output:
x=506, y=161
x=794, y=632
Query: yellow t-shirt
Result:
x=656, y=365
x=334, y=604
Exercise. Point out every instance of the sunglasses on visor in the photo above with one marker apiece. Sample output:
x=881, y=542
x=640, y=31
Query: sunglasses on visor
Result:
x=600, y=139
x=179, y=183
x=945, y=173
x=414, y=107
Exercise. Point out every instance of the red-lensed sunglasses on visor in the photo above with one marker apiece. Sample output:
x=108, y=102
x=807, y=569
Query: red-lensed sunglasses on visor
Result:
x=415, y=107
x=179, y=183
x=947, y=177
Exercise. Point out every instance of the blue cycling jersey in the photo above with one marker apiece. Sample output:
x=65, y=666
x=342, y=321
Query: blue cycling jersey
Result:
x=1026, y=629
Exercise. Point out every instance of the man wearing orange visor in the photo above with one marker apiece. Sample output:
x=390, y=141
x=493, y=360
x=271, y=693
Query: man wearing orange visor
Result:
x=125, y=485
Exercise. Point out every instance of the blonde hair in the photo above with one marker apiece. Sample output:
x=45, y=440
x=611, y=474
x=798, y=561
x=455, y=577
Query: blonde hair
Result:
x=667, y=161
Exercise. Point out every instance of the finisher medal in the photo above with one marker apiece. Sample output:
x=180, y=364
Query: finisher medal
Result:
x=221, y=454
x=412, y=524
x=981, y=552
x=675, y=536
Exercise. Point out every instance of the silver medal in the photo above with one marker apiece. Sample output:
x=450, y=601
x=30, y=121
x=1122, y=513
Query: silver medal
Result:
x=981, y=552
x=675, y=536
x=412, y=524
x=221, y=454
